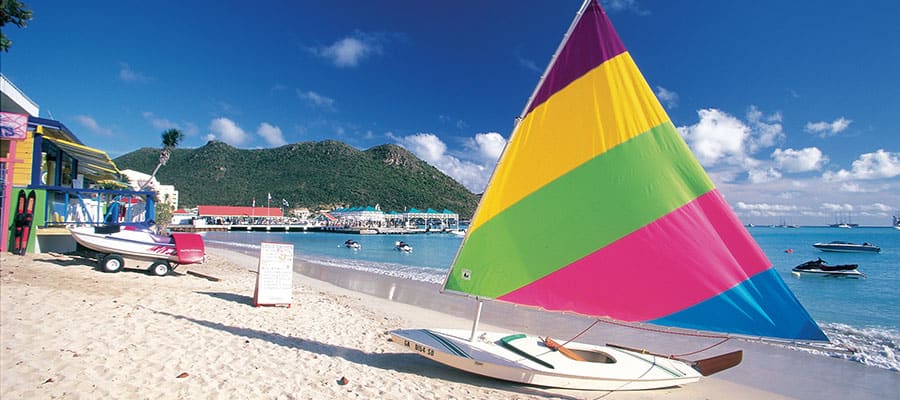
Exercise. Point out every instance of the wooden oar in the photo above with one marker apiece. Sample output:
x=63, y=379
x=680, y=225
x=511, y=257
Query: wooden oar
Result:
x=551, y=344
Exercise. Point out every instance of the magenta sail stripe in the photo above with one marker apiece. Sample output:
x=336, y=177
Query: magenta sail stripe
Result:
x=692, y=254
x=591, y=43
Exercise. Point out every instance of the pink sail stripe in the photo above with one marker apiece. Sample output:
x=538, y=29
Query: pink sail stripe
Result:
x=690, y=255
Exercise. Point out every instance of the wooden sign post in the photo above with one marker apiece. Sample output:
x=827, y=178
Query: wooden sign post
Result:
x=274, y=277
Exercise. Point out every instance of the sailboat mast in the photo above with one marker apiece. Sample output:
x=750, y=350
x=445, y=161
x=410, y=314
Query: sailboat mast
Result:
x=562, y=44
x=521, y=116
x=475, y=321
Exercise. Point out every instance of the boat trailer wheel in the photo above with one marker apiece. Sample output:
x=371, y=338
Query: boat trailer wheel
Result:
x=111, y=263
x=160, y=268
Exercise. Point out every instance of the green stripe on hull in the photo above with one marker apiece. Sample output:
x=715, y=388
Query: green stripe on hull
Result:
x=611, y=195
x=448, y=344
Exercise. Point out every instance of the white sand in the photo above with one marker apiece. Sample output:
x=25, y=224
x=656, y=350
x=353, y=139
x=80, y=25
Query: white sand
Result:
x=70, y=331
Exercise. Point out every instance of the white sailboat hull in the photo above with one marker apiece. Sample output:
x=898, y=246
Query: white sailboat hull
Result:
x=622, y=370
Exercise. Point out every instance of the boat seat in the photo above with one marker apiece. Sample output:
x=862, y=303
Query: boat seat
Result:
x=107, y=229
x=161, y=238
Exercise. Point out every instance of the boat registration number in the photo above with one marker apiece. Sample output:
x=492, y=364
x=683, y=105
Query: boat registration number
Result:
x=420, y=348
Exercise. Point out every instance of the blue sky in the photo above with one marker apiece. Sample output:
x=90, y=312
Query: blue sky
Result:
x=790, y=106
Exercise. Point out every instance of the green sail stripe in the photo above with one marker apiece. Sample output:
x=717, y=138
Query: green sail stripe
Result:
x=582, y=211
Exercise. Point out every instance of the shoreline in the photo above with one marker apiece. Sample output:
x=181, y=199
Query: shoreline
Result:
x=782, y=371
x=70, y=331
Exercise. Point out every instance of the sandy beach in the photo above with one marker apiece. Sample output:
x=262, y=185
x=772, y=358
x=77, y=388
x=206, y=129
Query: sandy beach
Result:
x=70, y=331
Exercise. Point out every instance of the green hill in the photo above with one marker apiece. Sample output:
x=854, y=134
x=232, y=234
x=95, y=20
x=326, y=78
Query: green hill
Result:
x=309, y=174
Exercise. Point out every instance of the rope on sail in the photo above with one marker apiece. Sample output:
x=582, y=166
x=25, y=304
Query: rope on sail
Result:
x=669, y=332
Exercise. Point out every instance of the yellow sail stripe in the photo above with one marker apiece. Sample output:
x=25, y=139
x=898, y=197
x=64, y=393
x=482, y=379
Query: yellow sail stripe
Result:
x=581, y=113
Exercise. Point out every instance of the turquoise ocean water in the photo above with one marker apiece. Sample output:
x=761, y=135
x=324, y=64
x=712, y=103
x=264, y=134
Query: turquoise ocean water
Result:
x=860, y=314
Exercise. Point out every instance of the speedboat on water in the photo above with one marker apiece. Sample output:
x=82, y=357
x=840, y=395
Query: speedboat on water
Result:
x=847, y=247
x=352, y=244
x=114, y=242
x=819, y=267
x=403, y=246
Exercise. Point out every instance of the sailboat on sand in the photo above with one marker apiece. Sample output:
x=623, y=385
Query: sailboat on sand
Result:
x=634, y=231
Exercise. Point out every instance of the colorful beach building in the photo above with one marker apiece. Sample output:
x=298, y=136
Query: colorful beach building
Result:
x=408, y=221
x=72, y=183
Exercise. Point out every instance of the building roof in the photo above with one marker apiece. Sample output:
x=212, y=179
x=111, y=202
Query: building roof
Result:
x=14, y=100
x=93, y=163
x=238, y=211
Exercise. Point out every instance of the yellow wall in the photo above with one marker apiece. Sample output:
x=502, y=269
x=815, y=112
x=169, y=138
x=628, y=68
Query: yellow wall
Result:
x=24, y=152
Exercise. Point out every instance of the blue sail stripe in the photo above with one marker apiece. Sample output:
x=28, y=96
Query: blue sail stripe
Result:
x=765, y=292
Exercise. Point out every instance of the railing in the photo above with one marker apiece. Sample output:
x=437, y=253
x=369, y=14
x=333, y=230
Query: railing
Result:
x=68, y=206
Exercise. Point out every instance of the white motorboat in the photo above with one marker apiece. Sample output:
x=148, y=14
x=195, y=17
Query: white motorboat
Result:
x=847, y=247
x=115, y=242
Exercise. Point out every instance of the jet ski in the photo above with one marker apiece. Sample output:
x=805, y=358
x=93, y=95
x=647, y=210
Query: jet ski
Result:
x=820, y=267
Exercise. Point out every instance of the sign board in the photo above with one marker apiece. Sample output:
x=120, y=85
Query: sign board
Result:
x=274, y=278
x=13, y=126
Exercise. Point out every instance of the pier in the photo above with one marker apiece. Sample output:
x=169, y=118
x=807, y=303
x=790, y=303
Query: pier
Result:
x=304, y=228
x=356, y=220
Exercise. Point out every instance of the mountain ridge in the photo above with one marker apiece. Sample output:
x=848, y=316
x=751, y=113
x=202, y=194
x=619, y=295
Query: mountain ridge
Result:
x=317, y=175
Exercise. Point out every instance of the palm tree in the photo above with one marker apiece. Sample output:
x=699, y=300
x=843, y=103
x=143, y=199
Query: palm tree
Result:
x=170, y=139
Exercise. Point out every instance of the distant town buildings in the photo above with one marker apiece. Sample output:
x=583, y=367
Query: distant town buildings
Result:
x=165, y=193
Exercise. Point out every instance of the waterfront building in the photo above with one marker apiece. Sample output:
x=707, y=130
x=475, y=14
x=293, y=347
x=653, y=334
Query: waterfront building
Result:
x=73, y=184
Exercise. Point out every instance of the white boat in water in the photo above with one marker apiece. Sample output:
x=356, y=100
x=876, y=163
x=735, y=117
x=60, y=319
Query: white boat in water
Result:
x=638, y=234
x=115, y=242
x=403, y=247
x=847, y=247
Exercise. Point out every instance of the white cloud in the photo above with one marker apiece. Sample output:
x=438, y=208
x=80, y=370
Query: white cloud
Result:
x=878, y=165
x=351, y=50
x=625, y=5
x=878, y=207
x=272, y=134
x=486, y=147
x=227, y=131
x=188, y=128
x=127, y=74
x=767, y=130
x=765, y=207
x=763, y=175
x=716, y=136
x=851, y=188
x=316, y=99
x=528, y=64
x=668, y=97
x=471, y=174
x=93, y=126
x=722, y=140
x=825, y=129
x=426, y=146
x=808, y=159
x=832, y=207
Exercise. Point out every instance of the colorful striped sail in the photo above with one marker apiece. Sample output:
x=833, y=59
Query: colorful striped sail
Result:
x=598, y=207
